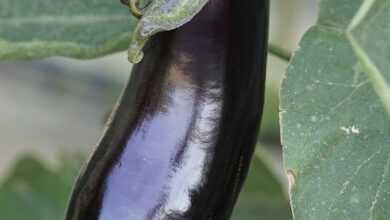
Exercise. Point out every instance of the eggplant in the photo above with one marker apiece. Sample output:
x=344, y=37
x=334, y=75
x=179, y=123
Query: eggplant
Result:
x=180, y=141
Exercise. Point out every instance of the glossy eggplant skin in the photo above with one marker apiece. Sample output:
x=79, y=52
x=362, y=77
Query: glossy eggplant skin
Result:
x=181, y=139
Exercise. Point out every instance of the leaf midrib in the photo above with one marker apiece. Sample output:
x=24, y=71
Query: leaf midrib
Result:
x=373, y=72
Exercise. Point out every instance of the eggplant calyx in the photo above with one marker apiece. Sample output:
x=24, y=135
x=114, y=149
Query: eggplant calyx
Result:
x=159, y=16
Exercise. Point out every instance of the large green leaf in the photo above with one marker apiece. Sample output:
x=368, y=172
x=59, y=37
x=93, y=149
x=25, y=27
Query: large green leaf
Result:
x=74, y=28
x=335, y=121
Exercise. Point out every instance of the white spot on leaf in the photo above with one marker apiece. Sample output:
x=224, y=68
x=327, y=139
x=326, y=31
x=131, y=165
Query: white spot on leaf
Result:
x=350, y=130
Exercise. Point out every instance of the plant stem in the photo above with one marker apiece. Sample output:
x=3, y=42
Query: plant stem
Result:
x=279, y=52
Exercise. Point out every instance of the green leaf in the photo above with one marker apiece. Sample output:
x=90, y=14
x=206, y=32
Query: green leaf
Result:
x=335, y=126
x=35, y=192
x=72, y=28
x=262, y=196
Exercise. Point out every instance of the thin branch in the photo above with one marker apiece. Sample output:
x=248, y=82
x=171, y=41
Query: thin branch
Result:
x=279, y=52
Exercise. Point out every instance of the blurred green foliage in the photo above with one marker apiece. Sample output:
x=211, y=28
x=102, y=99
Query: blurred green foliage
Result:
x=269, y=132
x=34, y=191
x=262, y=196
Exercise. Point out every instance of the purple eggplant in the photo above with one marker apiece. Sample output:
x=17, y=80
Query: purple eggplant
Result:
x=181, y=139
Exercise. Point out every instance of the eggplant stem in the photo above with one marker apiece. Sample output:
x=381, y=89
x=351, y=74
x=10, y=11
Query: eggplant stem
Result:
x=134, y=8
x=159, y=16
x=279, y=52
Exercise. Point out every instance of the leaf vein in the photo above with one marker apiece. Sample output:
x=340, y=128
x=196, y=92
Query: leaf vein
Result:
x=347, y=183
x=380, y=186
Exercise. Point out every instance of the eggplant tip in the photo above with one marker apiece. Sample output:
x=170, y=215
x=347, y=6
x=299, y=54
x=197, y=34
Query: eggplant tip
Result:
x=135, y=55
